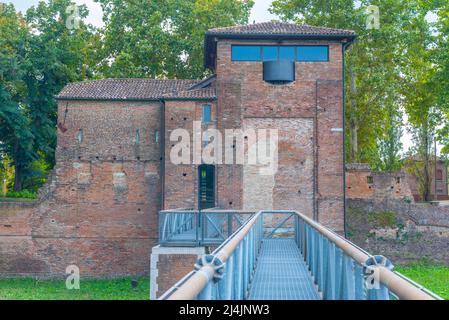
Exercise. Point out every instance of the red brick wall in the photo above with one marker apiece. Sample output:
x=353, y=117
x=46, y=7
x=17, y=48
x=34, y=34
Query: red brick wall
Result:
x=102, y=213
x=385, y=185
x=316, y=95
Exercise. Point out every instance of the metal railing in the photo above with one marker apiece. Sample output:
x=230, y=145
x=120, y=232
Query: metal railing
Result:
x=188, y=227
x=340, y=269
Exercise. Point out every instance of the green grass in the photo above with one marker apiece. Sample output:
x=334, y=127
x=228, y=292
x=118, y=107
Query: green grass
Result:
x=5, y=199
x=112, y=289
x=22, y=194
x=434, y=278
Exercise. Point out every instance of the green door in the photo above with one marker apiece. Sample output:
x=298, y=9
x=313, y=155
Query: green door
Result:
x=206, y=187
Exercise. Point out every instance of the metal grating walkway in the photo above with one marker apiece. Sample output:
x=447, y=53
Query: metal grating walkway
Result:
x=281, y=273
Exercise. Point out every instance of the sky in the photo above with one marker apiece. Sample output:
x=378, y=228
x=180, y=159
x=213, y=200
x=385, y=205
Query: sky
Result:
x=259, y=13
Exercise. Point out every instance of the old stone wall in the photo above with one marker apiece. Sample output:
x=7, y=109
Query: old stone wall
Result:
x=402, y=231
x=361, y=183
x=181, y=180
x=99, y=211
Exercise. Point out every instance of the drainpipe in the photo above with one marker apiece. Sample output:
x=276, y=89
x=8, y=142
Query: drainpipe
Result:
x=344, y=47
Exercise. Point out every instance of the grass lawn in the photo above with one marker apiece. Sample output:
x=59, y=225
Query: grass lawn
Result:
x=112, y=289
x=5, y=199
x=434, y=278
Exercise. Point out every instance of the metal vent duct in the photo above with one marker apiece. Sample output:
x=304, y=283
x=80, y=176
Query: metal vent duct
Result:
x=279, y=71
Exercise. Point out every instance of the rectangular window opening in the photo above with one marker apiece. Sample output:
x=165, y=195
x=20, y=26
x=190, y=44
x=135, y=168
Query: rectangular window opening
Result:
x=246, y=53
x=313, y=53
x=270, y=53
x=207, y=116
x=305, y=53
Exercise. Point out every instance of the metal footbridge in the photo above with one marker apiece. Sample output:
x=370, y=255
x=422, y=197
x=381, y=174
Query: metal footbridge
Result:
x=277, y=255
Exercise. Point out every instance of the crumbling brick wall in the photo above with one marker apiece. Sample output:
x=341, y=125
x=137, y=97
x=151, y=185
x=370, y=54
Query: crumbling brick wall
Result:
x=362, y=183
x=101, y=213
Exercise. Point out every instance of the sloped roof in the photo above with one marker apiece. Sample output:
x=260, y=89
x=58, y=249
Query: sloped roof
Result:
x=279, y=28
x=133, y=89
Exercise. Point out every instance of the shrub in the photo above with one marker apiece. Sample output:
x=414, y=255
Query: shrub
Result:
x=22, y=194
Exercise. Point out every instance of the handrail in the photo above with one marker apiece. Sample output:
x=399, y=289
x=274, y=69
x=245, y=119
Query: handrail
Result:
x=195, y=282
x=396, y=284
x=191, y=227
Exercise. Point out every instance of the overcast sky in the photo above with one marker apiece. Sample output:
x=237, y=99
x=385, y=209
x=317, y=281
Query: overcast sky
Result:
x=259, y=13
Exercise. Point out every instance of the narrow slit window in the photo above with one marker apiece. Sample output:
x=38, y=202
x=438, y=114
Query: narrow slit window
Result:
x=246, y=53
x=80, y=136
x=270, y=53
x=313, y=53
x=207, y=116
x=138, y=136
x=156, y=136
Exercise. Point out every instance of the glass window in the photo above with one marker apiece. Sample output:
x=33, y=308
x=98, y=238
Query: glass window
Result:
x=439, y=174
x=313, y=53
x=246, y=53
x=207, y=117
x=270, y=53
x=287, y=53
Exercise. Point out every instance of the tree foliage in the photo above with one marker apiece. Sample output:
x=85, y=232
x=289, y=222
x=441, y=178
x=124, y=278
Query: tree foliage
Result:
x=40, y=54
x=375, y=68
x=162, y=38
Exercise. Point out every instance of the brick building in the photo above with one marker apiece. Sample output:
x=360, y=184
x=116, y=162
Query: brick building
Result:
x=438, y=186
x=113, y=166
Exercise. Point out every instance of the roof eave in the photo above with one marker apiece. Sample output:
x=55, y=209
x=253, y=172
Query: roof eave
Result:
x=190, y=99
x=135, y=99
x=268, y=36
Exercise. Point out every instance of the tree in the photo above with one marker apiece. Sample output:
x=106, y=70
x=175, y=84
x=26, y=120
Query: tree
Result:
x=390, y=146
x=442, y=70
x=39, y=56
x=162, y=38
x=373, y=69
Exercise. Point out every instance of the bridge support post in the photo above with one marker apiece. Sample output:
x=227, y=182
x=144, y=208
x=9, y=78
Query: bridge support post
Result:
x=228, y=294
x=348, y=285
x=329, y=291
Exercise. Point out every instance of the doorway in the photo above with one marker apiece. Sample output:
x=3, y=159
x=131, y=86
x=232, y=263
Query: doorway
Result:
x=206, y=186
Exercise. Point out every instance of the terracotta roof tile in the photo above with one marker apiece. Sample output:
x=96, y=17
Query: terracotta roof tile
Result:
x=124, y=89
x=203, y=93
x=280, y=28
